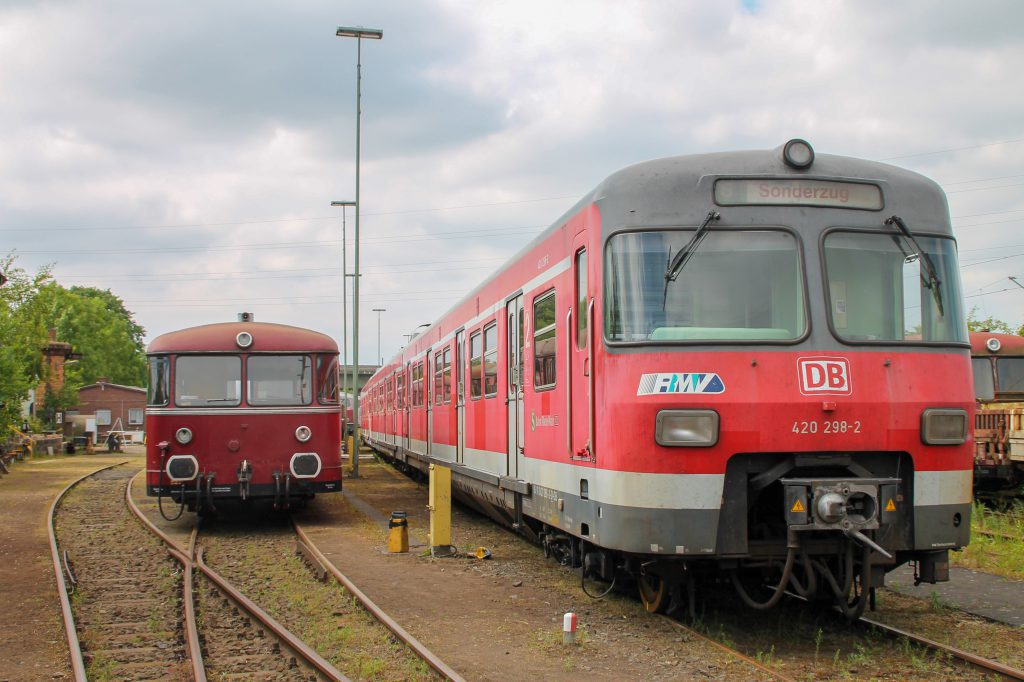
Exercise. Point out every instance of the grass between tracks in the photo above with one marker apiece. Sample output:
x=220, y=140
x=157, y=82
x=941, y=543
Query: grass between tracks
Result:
x=323, y=615
x=997, y=542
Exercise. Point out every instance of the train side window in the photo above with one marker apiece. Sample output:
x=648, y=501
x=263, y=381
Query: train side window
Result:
x=389, y=395
x=476, y=365
x=581, y=299
x=438, y=378
x=490, y=365
x=417, y=385
x=545, y=348
x=159, y=381
x=446, y=381
x=400, y=390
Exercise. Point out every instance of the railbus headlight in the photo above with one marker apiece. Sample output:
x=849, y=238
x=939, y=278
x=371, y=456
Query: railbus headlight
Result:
x=686, y=428
x=303, y=434
x=183, y=435
x=944, y=426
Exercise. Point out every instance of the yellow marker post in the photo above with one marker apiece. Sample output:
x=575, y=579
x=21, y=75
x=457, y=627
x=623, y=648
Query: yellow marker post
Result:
x=440, y=506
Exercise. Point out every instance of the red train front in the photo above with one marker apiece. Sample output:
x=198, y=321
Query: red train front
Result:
x=242, y=410
x=749, y=364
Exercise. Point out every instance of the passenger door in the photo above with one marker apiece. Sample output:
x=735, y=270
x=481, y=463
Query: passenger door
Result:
x=514, y=368
x=459, y=377
x=579, y=323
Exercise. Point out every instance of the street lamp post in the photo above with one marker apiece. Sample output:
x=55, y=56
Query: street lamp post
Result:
x=344, y=291
x=373, y=34
x=379, y=311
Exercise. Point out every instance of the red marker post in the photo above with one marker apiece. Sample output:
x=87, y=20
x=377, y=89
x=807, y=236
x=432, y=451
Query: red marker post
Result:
x=569, y=628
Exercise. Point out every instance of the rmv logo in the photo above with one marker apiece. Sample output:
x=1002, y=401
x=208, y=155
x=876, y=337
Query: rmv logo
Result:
x=825, y=376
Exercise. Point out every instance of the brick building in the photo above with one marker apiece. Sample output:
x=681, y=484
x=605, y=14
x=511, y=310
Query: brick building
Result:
x=114, y=407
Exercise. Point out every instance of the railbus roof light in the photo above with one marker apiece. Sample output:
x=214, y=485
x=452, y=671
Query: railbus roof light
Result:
x=798, y=154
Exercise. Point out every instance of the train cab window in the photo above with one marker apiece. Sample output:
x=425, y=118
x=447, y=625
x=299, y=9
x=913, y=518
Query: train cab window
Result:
x=446, y=376
x=279, y=380
x=984, y=382
x=476, y=365
x=545, y=347
x=491, y=361
x=207, y=380
x=159, y=381
x=881, y=290
x=327, y=379
x=736, y=285
x=581, y=299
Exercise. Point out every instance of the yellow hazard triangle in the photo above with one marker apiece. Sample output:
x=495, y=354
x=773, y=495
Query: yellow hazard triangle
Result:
x=890, y=507
x=798, y=507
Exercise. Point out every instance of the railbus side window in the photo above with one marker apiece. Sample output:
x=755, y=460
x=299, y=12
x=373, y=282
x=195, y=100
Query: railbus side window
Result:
x=159, y=381
x=327, y=379
x=490, y=365
x=581, y=299
x=545, y=348
x=476, y=366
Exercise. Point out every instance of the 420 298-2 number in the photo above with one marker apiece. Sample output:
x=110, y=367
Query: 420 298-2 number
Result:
x=828, y=427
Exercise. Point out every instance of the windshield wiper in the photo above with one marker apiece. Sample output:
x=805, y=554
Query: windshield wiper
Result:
x=682, y=257
x=932, y=282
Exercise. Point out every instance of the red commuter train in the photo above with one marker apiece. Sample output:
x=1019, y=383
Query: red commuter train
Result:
x=750, y=364
x=242, y=410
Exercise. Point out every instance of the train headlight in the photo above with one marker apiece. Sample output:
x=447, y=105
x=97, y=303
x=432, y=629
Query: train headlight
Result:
x=798, y=154
x=993, y=344
x=183, y=435
x=944, y=426
x=303, y=433
x=686, y=428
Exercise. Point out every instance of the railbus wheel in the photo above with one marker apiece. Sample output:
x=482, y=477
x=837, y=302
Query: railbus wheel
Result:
x=653, y=592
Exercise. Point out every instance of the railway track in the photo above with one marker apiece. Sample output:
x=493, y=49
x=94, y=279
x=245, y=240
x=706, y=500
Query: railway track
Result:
x=134, y=617
x=980, y=663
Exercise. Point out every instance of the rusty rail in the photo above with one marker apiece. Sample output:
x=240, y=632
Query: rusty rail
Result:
x=70, y=631
x=429, y=657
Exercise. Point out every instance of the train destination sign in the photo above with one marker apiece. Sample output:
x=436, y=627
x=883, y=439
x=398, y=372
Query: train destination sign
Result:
x=790, y=192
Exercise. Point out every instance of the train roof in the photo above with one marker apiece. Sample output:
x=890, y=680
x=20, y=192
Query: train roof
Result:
x=223, y=337
x=667, y=192
x=982, y=343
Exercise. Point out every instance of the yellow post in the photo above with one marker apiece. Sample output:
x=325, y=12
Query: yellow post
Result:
x=398, y=532
x=440, y=506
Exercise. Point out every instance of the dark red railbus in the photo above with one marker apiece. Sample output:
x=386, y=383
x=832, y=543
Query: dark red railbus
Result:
x=242, y=410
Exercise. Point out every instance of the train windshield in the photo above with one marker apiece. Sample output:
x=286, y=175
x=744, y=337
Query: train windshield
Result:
x=740, y=285
x=1010, y=373
x=279, y=380
x=207, y=380
x=880, y=290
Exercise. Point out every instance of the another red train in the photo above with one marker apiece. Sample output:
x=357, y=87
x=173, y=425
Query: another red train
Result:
x=998, y=363
x=751, y=362
x=242, y=410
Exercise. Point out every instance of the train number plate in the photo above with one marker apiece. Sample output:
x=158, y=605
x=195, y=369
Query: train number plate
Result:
x=828, y=427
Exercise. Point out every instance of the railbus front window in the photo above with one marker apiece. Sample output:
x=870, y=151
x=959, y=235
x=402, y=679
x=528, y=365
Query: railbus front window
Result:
x=880, y=290
x=738, y=285
x=984, y=382
x=159, y=381
x=207, y=380
x=279, y=380
x=1010, y=375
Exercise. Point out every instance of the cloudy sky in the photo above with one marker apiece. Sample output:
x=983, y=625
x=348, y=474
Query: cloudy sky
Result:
x=184, y=154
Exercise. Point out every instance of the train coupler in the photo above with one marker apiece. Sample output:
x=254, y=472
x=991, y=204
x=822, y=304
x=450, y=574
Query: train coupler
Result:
x=244, y=477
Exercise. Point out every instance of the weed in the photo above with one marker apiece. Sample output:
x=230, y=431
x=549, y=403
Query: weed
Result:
x=766, y=657
x=818, y=637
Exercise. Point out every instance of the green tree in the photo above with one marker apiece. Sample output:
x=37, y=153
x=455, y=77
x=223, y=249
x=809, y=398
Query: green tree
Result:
x=992, y=324
x=20, y=361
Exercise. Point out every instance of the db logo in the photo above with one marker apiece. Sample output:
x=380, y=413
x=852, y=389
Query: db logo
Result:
x=825, y=376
